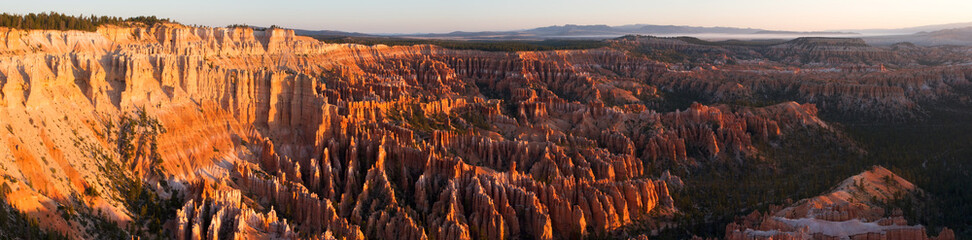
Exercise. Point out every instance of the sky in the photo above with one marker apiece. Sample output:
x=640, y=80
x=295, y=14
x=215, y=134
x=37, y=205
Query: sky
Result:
x=439, y=16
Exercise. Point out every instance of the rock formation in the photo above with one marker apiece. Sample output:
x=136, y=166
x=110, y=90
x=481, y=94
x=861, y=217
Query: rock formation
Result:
x=851, y=211
x=844, y=76
x=265, y=134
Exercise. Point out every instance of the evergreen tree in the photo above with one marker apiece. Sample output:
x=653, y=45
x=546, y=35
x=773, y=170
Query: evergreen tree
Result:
x=59, y=21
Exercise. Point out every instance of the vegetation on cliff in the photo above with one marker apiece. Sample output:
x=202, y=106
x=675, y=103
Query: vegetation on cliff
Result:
x=450, y=144
x=60, y=21
x=17, y=225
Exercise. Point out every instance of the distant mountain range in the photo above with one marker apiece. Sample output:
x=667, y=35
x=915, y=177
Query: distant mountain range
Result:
x=605, y=31
x=911, y=30
x=952, y=36
x=954, y=33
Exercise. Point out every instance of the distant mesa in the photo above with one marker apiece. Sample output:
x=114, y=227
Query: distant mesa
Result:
x=945, y=34
x=805, y=33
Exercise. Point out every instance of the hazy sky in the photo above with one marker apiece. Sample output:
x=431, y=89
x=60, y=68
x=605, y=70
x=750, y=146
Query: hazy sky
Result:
x=398, y=16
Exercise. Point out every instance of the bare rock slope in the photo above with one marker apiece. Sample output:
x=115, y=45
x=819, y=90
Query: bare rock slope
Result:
x=206, y=133
x=854, y=209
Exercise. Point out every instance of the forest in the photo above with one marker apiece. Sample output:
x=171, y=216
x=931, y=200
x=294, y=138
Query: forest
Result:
x=60, y=21
x=932, y=152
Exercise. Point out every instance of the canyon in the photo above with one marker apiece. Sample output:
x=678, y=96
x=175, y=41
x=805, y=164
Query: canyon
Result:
x=174, y=131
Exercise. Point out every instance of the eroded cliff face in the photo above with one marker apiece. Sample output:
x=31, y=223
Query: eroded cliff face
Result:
x=264, y=134
x=855, y=209
x=845, y=77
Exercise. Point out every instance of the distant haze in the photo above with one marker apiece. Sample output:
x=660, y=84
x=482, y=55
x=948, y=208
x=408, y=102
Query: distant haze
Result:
x=438, y=16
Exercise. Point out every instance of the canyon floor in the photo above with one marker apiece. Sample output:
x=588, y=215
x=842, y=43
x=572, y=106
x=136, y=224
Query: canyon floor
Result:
x=171, y=131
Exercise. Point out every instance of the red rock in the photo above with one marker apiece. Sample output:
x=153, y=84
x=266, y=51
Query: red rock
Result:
x=352, y=141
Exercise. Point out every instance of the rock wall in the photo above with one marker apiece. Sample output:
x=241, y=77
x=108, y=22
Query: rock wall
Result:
x=265, y=134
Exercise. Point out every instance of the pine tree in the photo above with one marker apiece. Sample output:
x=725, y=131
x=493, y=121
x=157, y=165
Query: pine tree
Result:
x=59, y=21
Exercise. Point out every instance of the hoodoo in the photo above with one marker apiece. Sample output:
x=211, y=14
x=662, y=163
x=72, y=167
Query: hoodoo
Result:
x=170, y=131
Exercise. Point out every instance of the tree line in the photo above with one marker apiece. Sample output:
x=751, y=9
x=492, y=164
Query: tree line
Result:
x=60, y=21
x=253, y=27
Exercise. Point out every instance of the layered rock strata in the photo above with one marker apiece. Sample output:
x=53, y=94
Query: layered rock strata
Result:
x=265, y=134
